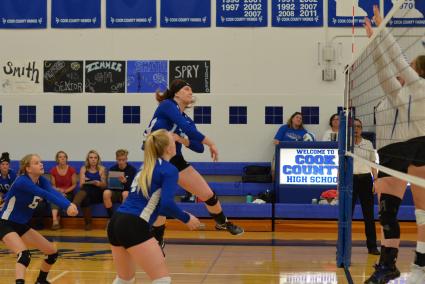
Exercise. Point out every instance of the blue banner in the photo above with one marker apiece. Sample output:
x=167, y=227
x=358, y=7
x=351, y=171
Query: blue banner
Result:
x=130, y=13
x=410, y=14
x=297, y=13
x=75, y=14
x=340, y=12
x=147, y=76
x=241, y=13
x=23, y=14
x=185, y=13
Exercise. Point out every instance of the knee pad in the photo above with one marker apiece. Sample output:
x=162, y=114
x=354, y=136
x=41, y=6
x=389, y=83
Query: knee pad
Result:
x=388, y=209
x=121, y=281
x=51, y=258
x=212, y=201
x=163, y=280
x=420, y=217
x=24, y=258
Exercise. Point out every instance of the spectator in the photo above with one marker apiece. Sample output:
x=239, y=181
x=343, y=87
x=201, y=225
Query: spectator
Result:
x=332, y=133
x=293, y=130
x=119, y=194
x=64, y=180
x=92, y=183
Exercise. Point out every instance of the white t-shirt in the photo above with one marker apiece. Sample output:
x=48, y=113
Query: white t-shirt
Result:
x=365, y=150
x=327, y=135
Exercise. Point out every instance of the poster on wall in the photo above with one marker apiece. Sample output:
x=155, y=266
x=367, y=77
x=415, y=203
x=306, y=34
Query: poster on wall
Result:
x=130, y=13
x=75, y=14
x=21, y=76
x=105, y=76
x=410, y=14
x=185, y=13
x=147, y=76
x=297, y=13
x=340, y=12
x=308, y=166
x=196, y=73
x=241, y=13
x=23, y=14
x=63, y=76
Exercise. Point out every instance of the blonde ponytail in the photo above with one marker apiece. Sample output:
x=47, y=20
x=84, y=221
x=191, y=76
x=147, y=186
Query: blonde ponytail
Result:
x=155, y=145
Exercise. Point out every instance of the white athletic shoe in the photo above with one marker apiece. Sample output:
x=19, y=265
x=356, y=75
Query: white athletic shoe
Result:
x=417, y=275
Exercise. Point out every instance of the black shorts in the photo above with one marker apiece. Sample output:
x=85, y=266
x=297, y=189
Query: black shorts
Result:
x=399, y=156
x=7, y=227
x=179, y=162
x=417, y=150
x=127, y=230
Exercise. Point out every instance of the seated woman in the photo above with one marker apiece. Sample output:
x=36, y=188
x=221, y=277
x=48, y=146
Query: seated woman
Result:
x=332, y=133
x=92, y=183
x=7, y=176
x=64, y=180
x=293, y=130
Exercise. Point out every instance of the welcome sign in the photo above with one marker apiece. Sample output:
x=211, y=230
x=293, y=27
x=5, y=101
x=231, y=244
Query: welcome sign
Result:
x=308, y=166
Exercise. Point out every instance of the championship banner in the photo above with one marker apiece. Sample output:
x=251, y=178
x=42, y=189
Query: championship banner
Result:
x=130, y=13
x=75, y=14
x=23, y=14
x=410, y=14
x=340, y=12
x=147, y=76
x=308, y=166
x=21, y=76
x=297, y=13
x=241, y=13
x=185, y=13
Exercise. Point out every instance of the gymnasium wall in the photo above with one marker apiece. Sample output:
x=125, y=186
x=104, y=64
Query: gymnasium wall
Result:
x=252, y=67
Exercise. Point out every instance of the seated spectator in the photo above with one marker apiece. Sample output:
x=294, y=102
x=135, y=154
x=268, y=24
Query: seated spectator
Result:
x=7, y=176
x=293, y=130
x=64, y=180
x=119, y=193
x=332, y=133
x=92, y=183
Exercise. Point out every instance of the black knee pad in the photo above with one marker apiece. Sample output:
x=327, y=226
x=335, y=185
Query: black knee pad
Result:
x=388, y=209
x=51, y=258
x=24, y=258
x=212, y=201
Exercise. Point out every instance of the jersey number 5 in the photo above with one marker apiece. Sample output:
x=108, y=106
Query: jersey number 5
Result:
x=35, y=202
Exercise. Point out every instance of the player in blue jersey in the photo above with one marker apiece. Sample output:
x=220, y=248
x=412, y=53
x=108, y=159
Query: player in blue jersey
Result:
x=170, y=116
x=21, y=200
x=7, y=176
x=152, y=194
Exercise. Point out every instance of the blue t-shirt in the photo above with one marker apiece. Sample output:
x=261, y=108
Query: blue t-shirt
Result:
x=6, y=182
x=168, y=116
x=161, y=196
x=24, y=196
x=285, y=133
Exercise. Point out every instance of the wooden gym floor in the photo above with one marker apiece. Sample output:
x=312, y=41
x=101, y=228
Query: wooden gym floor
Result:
x=299, y=252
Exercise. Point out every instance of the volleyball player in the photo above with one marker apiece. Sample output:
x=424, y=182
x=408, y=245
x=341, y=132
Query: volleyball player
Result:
x=170, y=116
x=406, y=93
x=21, y=200
x=152, y=193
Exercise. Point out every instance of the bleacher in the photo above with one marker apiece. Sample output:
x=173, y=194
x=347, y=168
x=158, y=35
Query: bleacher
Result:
x=225, y=179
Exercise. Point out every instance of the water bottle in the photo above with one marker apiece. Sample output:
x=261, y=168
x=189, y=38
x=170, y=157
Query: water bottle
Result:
x=249, y=198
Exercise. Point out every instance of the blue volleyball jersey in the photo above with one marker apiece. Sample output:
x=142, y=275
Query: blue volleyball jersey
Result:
x=24, y=196
x=161, y=196
x=6, y=182
x=92, y=176
x=169, y=117
x=285, y=133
